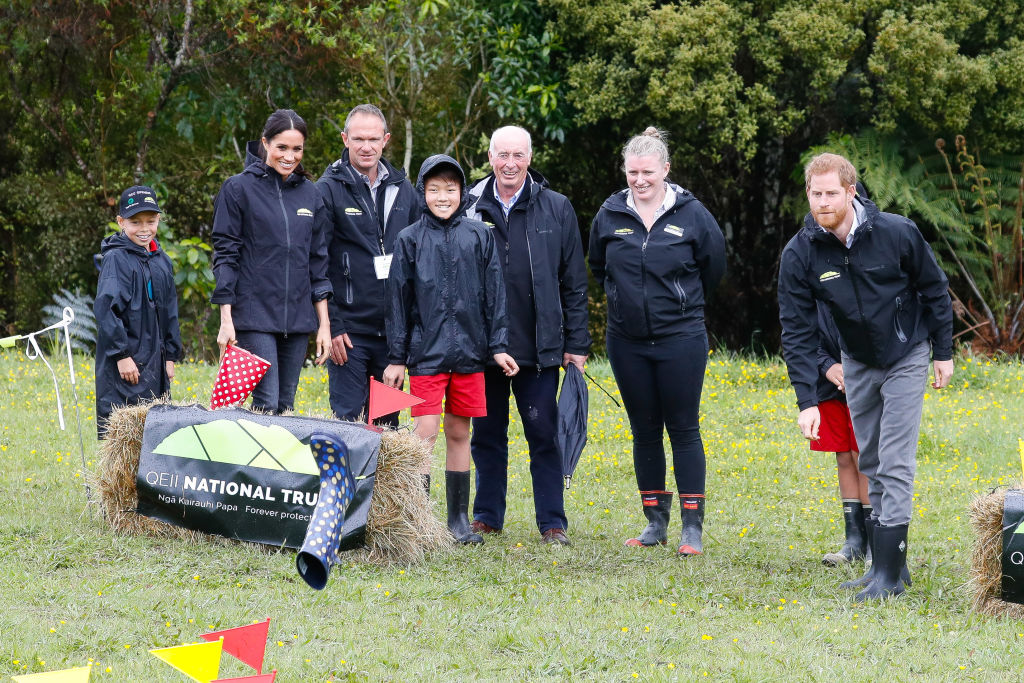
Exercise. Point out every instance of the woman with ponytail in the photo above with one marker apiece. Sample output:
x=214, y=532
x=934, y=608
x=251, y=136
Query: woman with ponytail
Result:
x=659, y=253
x=270, y=233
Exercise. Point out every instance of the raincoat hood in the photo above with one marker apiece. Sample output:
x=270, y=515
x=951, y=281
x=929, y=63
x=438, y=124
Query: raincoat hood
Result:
x=121, y=241
x=431, y=165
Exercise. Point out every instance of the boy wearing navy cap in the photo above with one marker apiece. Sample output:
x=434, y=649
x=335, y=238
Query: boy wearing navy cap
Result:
x=137, y=340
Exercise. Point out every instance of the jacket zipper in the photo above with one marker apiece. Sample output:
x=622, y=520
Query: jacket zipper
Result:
x=643, y=260
x=856, y=294
x=448, y=303
x=533, y=283
x=288, y=255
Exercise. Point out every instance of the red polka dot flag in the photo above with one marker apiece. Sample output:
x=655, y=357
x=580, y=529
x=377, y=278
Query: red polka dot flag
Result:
x=240, y=372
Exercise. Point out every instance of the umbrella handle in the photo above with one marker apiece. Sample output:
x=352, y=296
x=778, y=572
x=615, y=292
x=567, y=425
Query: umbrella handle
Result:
x=9, y=342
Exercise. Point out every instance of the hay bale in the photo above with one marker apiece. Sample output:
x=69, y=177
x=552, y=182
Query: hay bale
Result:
x=986, y=573
x=401, y=526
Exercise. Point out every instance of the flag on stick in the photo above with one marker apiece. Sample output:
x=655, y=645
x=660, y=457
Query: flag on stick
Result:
x=259, y=678
x=198, y=661
x=240, y=372
x=385, y=400
x=246, y=643
x=76, y=675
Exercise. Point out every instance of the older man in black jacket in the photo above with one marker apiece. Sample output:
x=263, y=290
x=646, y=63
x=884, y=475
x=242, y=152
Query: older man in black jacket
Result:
x=541, y=253
x=889, y=300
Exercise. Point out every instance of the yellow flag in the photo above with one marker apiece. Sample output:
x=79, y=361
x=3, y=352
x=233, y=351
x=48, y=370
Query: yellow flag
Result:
x=76, y=675
x=199, y=661
x=1020, y=445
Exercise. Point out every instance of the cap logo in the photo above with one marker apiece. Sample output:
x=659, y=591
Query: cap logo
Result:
x=149, y=199
x=131, y=201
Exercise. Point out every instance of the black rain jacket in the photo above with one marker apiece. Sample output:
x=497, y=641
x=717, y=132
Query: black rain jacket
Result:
x=358, y=304
x=656, y=281
x=270, y=249
x=446, y=293
x=829, y=353
x=556, y=263
x=136, y=312
x=886, y=294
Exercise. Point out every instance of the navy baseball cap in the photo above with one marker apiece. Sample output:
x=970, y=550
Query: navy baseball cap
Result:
x=136, y=199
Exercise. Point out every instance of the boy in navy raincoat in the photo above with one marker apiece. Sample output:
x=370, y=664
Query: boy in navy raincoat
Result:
x=136, y=309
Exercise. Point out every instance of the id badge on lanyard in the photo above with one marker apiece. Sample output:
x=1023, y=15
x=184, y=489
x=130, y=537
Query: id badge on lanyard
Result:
x=382, y=265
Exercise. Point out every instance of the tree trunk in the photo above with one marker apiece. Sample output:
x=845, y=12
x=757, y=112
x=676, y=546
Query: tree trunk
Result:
x=408, y=145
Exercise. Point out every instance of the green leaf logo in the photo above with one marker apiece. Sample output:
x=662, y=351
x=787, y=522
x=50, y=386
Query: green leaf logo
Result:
x=240, y=442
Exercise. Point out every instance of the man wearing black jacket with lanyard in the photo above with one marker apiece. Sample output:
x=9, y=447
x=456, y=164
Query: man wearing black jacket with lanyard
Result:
x=541, y=252
x=369, y=202
x=889, y=299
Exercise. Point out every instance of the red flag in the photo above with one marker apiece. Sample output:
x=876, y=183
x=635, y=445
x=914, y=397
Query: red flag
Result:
x=385, y=400
x=247, y=643
x=261, y=678
x=240, y=372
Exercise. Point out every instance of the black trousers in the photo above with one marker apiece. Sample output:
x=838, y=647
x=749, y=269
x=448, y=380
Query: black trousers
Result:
x=535, y=398
x=349, y=384
x=660, y=382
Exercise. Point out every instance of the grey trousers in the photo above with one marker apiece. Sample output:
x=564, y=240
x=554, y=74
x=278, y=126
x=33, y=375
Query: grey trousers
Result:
x=886, y=404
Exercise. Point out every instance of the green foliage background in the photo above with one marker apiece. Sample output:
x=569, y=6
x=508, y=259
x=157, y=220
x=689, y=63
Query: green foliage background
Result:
x=99, y=94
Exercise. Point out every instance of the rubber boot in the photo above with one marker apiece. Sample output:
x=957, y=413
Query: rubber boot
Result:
x=457, y=492
x=657, y=506
x=867, y=515
x=319, y=550
x=692, y=509
x=870, y=525
x=890, y=555
x=426, y=483
x=855, y=546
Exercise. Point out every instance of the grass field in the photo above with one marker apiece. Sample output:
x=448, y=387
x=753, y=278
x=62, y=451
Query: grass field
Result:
x=758, y=606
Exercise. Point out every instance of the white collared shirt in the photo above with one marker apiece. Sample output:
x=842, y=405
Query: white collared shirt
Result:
x=382, y=175
x=668, y=203
x=860, y=215
x=505, y=208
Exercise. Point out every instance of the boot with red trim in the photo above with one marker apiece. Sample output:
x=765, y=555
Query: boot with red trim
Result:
x=657, y=506
x=692, y=508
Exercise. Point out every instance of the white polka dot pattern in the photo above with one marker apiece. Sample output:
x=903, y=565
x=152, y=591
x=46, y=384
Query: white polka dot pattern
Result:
x=240, y=372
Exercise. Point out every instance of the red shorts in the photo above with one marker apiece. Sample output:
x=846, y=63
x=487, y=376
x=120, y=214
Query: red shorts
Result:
x=463, y=394
x=835, y=435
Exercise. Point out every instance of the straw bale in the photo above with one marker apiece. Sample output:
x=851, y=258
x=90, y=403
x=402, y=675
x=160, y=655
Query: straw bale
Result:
x=986, y=573
x=401, y=526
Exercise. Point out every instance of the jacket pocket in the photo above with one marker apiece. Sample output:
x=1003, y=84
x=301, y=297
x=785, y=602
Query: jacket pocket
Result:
x=347, y=272
x=613, y=299
x=897, y=325
x=680, y=293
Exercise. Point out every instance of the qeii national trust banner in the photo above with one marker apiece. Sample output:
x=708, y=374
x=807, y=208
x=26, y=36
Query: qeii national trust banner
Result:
x=246, y=476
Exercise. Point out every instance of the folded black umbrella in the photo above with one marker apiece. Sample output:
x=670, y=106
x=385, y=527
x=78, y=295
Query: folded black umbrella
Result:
x=573, y=404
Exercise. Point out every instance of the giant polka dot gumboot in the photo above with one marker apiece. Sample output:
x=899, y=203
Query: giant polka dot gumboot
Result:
x=319, y=550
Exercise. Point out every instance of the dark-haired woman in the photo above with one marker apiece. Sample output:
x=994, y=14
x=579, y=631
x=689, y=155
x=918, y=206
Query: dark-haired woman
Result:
x=270, y=260
x=659, y=253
